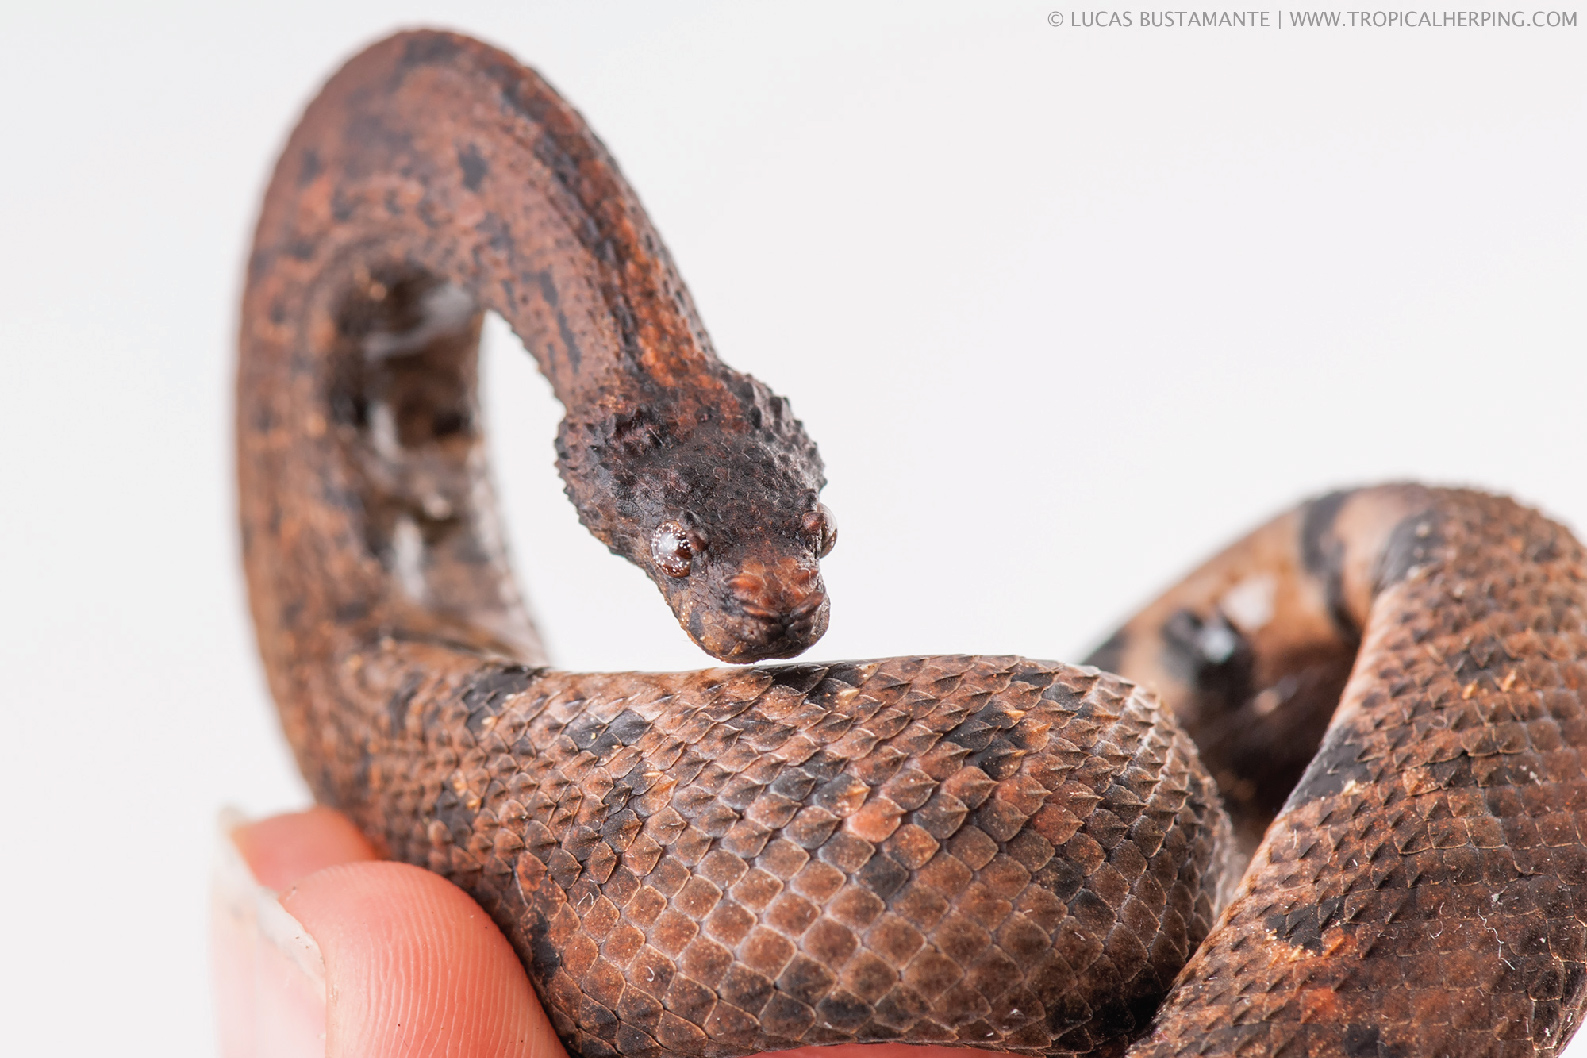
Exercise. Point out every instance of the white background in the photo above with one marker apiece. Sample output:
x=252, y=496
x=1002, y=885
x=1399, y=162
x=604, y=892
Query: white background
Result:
x=1065, y=309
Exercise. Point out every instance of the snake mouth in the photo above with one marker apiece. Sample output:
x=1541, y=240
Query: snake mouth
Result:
x=768, y=634
x=786, y=635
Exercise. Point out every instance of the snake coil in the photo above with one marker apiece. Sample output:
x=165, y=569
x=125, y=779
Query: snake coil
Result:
x=1387, y=685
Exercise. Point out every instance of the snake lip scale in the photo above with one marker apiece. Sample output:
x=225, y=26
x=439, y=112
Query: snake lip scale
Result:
x=1325, y=796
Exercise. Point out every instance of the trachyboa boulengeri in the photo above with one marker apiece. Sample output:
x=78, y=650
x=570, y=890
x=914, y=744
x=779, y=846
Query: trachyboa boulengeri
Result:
x=1387, y=685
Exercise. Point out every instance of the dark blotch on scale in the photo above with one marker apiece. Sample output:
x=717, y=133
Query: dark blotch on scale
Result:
x=311, y=167
x=474, y=167
x=426, y=49
x=1366, y=1041
x=1323, y=554
x=486, y=693
x=1304, y=926
x=1337, y=762
x=1412, y=544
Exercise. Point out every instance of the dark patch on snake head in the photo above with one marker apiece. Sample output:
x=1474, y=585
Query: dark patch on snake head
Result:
x=719, y=506
x=1323, y=554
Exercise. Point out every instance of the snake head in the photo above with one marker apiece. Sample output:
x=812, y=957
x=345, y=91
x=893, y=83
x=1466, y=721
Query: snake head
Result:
x=720, y=508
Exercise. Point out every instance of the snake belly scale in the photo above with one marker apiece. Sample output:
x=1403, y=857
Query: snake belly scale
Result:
x=1386, y=685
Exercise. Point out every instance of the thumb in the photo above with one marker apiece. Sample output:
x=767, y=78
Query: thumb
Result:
x=359, y=958
x=414, y=967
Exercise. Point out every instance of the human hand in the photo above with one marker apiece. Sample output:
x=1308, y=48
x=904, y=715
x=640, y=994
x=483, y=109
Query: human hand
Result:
x=320, y=948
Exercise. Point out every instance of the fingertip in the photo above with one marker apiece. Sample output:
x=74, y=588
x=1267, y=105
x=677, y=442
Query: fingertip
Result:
x=269, y=979
x=285, y=848
x=414, y=966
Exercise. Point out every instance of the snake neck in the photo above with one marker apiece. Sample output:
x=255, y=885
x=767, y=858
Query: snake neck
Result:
x=432, y=180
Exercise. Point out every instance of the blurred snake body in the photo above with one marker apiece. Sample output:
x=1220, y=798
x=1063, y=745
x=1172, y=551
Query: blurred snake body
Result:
x=1386, y=685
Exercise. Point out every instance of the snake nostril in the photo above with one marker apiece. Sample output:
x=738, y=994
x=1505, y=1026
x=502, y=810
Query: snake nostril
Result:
x=760, y=613
x=807, y=608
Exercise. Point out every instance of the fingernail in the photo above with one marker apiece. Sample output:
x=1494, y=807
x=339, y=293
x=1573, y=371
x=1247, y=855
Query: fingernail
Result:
x=269, y=976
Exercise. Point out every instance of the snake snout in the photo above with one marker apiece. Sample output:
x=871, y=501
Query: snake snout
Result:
x=786, y=595
x=786, y=604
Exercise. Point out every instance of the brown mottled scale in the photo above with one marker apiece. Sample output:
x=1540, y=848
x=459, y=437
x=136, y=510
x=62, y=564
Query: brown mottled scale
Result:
x=981, y=851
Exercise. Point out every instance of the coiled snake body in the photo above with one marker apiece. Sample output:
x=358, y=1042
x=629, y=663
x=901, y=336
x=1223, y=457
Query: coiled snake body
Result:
x=983, y=851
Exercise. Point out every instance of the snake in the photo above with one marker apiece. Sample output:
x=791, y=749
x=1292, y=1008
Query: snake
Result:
x=1325, y=796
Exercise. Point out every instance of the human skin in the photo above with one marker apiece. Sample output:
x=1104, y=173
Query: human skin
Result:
x=410, y=964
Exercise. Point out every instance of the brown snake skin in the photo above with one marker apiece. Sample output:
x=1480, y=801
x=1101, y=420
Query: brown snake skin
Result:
x=982, y=851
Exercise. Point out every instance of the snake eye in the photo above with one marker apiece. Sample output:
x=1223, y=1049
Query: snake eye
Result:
x=673, y=548
x=819, y=524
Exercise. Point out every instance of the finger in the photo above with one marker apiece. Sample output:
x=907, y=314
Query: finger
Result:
x=269, y=977
x=414, y=967
x=285, y=848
